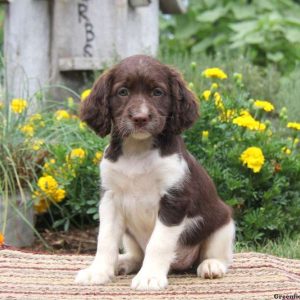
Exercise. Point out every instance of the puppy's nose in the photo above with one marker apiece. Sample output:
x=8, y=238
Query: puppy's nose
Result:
x=140, y=119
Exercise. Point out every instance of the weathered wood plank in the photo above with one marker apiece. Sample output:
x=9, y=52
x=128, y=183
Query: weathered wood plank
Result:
x=81, y=64
x=27, y=46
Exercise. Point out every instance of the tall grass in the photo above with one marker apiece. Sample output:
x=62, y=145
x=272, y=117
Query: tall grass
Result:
x=288, y=247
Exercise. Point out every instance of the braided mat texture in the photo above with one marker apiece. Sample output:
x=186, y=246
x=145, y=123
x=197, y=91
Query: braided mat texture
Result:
x=43, y=276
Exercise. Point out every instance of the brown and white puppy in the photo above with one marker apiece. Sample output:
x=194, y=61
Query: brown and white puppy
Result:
x=156, y=196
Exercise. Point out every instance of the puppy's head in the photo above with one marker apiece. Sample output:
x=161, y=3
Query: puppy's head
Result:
x=140, y=97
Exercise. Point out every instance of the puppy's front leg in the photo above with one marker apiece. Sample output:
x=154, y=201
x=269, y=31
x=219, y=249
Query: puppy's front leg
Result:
x=159, y=254
x=102, y=269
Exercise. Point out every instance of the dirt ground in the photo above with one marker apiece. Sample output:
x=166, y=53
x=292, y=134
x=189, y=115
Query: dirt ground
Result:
x=75, y=241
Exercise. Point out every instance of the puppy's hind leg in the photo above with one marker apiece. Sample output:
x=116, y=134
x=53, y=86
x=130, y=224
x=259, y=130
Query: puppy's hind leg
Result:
x=132, y=259
x=216, y=255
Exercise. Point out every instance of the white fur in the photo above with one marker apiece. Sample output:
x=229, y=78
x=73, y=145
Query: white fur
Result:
x=218, y=252
x=111, y=230
x=144, y=109
x=141, y=135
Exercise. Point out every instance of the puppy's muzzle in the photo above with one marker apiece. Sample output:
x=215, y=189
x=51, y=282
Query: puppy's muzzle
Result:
x=140, y=119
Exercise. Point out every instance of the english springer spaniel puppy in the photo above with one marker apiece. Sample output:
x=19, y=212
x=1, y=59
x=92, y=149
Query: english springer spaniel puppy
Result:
x=156, y=197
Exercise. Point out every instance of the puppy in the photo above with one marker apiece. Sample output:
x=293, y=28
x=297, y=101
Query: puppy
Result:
x=156, y=196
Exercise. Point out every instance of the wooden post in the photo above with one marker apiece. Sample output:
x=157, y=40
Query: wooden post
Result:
x=26, y=47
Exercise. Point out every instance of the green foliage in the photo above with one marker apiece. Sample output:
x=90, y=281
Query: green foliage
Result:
x=72, y=159
x=289, y=92
x=17, y=158
x=267, y=31
x=266, y=203
x=54, y=157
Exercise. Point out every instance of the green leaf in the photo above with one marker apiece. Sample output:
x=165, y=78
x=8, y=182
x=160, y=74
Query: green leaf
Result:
x=186, y=31
x=67, y=225
x=92, y=210
x=293, y=35
x=276, y=57
x=203, y=45
x=243, y=28
x=91, y=202
x=254, y=38
x=242, y=12
x=213, y=15
x=58, y=223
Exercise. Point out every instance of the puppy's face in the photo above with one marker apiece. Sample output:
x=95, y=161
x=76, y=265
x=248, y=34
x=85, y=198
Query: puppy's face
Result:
x=140, y=97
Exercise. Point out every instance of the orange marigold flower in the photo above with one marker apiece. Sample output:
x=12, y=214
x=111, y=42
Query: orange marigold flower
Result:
x=1, y=239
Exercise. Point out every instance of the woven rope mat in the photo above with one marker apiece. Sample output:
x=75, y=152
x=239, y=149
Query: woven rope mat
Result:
x=41, y=276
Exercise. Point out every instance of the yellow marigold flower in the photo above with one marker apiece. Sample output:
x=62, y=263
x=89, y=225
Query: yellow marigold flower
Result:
x=286, y=150
x=59, y=195
x=218, y=101
x=1, y=239
x=206, y=95
x=254, y=159
x=214, y=86
x=227, y=115
x=214, y=73
x=205, y=134
x=47, y=184
x=293, y=125
x=246, y=120
x=265, y=105
x=97, y=157
x=82, y=125
x=77, y=153
x=47, y=167
x=61, y=114
x=1, y=105
x=18, y=105
x=41, y=206
x=28, y=130
x=37, y=145
x=85, y=94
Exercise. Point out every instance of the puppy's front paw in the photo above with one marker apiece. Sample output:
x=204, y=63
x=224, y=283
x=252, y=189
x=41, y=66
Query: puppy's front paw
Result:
x=148, y=281
x=91, y=275
x=211, y=268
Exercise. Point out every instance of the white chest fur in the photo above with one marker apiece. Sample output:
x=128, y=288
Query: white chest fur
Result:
x=138, y=182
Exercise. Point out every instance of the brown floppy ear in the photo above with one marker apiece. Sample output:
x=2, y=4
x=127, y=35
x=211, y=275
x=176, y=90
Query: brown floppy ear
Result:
x=95, y=109
x=184, y=110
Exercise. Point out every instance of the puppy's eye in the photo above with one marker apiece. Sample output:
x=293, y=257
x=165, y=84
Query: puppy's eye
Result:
x=157, y=92
x=123, y=92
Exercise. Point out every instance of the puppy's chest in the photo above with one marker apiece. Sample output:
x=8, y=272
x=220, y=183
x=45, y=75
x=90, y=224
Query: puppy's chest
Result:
x=138, y=183
x=144, y=174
